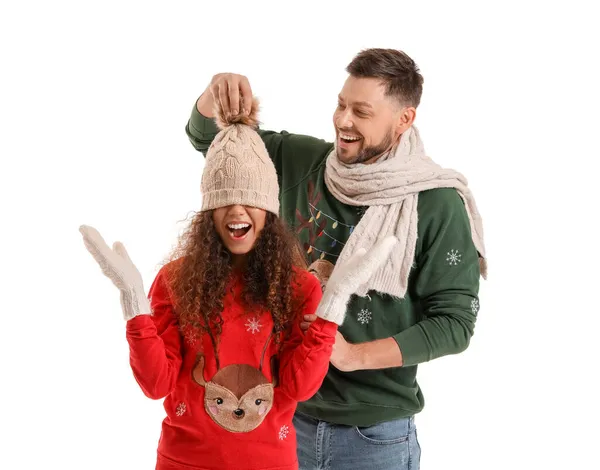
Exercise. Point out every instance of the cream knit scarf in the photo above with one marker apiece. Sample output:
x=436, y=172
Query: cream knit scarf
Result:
x=390, y=187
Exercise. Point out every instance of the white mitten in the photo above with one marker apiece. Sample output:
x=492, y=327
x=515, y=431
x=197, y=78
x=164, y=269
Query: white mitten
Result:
x=119, y=268
x=348, y=277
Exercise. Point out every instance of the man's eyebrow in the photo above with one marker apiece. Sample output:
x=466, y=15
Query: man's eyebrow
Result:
x=364, y=104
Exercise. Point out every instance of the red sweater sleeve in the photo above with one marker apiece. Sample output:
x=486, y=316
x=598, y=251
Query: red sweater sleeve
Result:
x=304, y=358
x=155, y=344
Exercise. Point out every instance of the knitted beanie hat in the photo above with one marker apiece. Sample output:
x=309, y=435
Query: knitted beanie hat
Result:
x=238, y=169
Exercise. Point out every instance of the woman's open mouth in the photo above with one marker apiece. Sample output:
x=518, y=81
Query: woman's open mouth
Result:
x=238, y=231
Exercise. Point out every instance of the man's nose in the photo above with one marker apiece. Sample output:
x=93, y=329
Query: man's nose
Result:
x=344, y=120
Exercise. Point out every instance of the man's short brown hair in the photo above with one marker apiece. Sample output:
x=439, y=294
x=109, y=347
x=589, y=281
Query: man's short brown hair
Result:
x=394, y=68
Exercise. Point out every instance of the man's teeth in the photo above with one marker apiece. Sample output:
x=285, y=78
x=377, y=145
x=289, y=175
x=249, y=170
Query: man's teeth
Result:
x=349, y=137
x=237, y=226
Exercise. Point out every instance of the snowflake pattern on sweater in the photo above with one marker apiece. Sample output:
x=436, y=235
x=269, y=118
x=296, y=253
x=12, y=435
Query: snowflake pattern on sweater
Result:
x=191, y=338
x=283, y=432
x=181, y=409
x=253, y=325
x=364, y=316
x=453, y=257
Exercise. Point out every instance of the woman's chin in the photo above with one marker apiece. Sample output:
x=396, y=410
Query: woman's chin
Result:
x=241, y=248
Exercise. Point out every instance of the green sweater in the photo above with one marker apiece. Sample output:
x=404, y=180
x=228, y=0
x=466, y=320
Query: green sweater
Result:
x=435, y=318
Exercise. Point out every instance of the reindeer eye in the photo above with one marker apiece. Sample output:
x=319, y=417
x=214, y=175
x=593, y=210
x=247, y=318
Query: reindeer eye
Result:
x=258, y=402
x=219, y=401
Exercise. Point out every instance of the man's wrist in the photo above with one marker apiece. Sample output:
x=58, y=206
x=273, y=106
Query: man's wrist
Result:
x=205, y=104
x=378, y=354
x=358, y=359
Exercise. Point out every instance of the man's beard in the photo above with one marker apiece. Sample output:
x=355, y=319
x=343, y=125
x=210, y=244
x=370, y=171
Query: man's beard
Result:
x=368, y=153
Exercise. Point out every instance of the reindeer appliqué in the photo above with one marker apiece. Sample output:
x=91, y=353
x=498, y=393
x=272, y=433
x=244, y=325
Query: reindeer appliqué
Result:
x=239, y=396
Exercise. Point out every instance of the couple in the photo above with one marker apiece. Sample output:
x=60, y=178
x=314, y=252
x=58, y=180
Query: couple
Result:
x=239, y=338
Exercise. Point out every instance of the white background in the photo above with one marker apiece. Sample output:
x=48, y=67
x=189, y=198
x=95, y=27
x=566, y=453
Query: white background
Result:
x=94, y=98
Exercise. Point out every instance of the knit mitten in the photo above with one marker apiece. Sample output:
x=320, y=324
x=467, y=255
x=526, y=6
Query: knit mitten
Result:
x=118, y=267
x=348, y=277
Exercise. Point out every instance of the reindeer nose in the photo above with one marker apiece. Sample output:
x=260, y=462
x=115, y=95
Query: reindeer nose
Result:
x=239, y=413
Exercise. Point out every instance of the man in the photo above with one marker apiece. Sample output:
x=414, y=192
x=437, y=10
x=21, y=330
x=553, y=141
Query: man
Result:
x=373, y=181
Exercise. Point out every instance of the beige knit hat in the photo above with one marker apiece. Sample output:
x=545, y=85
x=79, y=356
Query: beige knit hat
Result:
x=238, y=169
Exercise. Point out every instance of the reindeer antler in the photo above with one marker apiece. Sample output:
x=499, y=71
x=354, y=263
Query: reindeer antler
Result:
x=198, y=370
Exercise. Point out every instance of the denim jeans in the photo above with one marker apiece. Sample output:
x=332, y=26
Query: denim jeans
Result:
x=392, y=445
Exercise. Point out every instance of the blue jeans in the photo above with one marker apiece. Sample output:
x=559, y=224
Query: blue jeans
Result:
x=392, y=445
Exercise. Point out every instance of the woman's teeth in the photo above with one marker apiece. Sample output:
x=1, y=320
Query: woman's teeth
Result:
x=238, y=230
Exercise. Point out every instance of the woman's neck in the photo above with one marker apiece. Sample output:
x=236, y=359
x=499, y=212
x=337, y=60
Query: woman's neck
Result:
x=238, y=262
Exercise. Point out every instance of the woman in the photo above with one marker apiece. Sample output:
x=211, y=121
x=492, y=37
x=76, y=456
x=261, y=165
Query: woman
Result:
x=220, y=336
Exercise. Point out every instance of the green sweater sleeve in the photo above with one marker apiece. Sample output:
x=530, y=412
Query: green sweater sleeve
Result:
x=294, y=155
x=200, y=130
x=446, y=280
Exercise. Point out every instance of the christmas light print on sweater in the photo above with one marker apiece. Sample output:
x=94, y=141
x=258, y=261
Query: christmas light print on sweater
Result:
x=253, y=325
x=283, y=432
x=316, y=222
x=453, y=257
x=316, y=215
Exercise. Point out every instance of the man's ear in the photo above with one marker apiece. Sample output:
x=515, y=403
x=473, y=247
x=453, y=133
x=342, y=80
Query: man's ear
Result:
x=406, y=118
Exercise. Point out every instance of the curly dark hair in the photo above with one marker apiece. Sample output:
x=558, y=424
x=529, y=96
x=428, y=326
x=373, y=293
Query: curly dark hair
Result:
x=202, y=270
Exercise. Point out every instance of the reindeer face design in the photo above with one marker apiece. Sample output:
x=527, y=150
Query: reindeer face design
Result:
x=238, y=398
x=322, y=270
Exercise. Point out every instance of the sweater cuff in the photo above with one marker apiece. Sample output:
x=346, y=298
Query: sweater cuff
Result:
x=413, y=345
x=333, y=308
x=202, y=126
x=325, y=326
x=140, y=323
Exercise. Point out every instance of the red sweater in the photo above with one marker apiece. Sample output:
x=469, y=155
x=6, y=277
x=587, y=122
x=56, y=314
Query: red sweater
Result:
x=201, y=406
